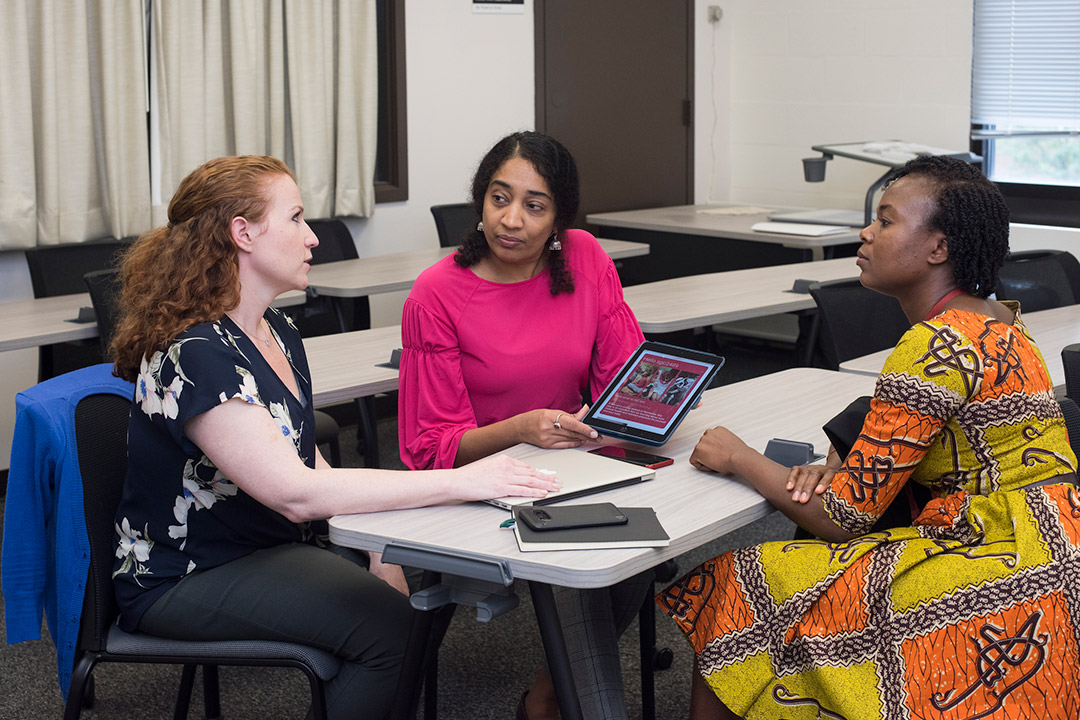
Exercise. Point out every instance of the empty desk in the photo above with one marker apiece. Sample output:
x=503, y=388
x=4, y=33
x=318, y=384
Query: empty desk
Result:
x=692, y=239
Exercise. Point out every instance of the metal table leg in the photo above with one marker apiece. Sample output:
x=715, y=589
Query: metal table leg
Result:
x=547, y=617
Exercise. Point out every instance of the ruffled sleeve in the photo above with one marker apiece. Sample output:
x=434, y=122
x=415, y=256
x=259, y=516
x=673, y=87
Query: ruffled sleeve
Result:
x=434, y=409
x=931, y=373
x=618, y=333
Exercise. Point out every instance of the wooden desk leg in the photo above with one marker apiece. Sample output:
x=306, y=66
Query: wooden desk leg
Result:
x=555, y=650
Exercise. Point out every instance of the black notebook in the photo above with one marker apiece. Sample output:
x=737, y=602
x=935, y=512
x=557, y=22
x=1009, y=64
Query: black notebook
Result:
x=642, y=529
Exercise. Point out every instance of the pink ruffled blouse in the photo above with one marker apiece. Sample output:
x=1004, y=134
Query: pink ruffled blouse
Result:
x=476, y=352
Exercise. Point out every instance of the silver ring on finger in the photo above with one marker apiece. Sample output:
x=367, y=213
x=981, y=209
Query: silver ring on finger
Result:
x=557, y=425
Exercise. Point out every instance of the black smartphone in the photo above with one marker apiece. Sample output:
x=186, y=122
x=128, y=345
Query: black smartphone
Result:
x=564, y=517
x=636, y=457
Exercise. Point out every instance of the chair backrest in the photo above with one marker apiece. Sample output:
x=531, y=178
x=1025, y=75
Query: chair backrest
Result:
x=335, y=241
x=1071, y=411
x=318, y=316
x=1040, y=279
x=104, y=286
x=1070, y=360
x=852, y=321
x=59, y=269
x=101, y=424
x=453, y=221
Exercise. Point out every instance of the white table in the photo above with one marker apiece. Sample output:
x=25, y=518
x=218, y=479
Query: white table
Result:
x=1052, y=330
x=346, y=366
x=694, y=507
x=701, y=300
x=44, y=321
x=691, y=239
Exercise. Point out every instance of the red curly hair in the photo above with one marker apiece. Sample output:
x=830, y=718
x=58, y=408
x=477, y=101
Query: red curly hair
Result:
x=187, y=272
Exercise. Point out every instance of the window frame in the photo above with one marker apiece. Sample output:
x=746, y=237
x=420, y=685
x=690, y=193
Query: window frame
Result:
x=393, y=128
x=1030, y=203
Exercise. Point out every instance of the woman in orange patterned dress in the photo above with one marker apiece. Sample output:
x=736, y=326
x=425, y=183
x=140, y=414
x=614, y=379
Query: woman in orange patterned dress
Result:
x=972, y=612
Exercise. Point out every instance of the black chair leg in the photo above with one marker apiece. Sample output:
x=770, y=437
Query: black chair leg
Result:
x=335, y=453
x=368, y=432
x=211, y=692
x=183, y=696
x=80, y=680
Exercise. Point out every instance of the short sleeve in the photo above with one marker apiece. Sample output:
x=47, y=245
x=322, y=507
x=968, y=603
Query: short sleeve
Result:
x=618, y=333
x=198, y=371
x=931, y=373
x=434, y=409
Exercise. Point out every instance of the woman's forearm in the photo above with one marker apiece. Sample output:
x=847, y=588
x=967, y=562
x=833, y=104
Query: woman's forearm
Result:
x=488, y=440
x=770, y=480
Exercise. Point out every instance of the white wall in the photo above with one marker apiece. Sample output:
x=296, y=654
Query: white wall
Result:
x=470, y=82
x=788, y=74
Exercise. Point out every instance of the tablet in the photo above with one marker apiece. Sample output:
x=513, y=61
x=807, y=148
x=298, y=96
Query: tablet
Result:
x=652, y=393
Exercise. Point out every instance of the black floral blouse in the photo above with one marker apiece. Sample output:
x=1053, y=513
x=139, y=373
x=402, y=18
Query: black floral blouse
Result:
x=179, y=513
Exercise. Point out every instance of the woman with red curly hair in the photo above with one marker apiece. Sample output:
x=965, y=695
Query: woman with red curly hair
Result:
x=221, y=530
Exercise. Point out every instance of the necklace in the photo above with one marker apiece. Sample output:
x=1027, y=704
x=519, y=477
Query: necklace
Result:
x=253, y=336
x=934, y=311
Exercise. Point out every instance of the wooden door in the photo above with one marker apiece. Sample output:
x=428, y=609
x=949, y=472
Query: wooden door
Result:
x=614, y=82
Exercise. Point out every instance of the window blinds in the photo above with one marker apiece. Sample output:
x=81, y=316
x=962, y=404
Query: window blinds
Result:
x=1026, y=67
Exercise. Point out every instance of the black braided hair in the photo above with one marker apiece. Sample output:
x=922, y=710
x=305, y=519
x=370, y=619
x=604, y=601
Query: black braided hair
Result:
x=972, y=214
x=553, y=162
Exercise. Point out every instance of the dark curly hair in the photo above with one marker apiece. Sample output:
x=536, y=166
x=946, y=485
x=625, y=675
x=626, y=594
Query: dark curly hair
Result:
x=553, y=162
x=972, y=214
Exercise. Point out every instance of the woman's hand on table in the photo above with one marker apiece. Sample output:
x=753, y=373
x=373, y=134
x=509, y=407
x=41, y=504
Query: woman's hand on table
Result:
x=716, y=451
x=392, y=575
x=555, y=429
x=502, y=476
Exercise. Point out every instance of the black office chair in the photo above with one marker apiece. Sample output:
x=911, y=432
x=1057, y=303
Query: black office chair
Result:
x=850, y=322
x=1070, y=360
x=453, y=222
x=1040, y=279
x=104, y=287
x=101, y=422
x=1071, y=411
x=325, y=316
x=58, y=270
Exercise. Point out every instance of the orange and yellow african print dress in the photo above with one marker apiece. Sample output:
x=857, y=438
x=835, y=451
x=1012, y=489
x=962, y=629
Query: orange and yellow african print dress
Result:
x=974, y=612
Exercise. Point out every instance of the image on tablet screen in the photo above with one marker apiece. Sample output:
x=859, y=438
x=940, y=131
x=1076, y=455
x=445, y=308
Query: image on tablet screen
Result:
x=652, y=392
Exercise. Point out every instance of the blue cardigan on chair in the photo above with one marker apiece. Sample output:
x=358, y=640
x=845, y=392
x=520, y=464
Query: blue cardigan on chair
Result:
x=46, y=554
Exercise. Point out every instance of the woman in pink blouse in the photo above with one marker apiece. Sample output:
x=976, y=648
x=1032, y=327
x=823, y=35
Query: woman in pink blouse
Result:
x=503, y=343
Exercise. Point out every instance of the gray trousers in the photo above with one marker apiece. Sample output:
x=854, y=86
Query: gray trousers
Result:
x=592, y=621
x=303, y=594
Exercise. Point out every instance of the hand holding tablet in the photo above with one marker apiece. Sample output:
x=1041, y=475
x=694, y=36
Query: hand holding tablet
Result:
x=653, y=392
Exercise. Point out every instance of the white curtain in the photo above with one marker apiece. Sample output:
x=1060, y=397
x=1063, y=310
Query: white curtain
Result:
x=18, y=197
x=73, y=131
x=289, y=78
x=333, y=104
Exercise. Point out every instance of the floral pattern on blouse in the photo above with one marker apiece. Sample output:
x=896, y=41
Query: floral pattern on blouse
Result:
x=179, y=512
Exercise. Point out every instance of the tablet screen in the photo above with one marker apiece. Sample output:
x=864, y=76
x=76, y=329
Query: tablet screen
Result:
x=652, y=392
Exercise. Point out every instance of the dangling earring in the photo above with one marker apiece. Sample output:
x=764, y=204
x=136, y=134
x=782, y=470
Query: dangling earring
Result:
x=555, y=243
x=480, y=226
